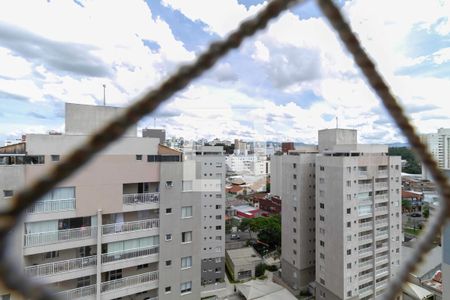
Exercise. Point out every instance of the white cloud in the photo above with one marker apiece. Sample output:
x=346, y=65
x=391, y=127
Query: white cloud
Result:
x=220, y=17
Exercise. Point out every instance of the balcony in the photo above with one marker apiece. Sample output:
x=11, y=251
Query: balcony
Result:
x=365, y=225
x=52, y=237
x=382, y=272
x=365, y=251
x=51, y=206
x=366, y=276
x=82, y=292
x=366, y=291
x=130, y=226
x=382, y=173
x=362, y=174
x=140, y=201
x=382, y=259
x=381, y=186
x=127, y=254
x=365, y=187
x=60, y=267
x=366, y=237
x=129, y=285
x=365, y=264
x=381, y=209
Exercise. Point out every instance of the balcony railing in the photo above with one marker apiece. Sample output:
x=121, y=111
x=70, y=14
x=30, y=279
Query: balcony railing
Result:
x=127, y=254
x=77, y=293
x=51, y=237
x=381, y=185
x=381, y=209
x=366, y=289
x=364, y=187
x=382, y=172
x=129, y=281
x=364, y=251
x=52, y=206
x=365, y=225
x=130, y=226
x=365, y=264
x=365, y=237
x=381, y=258
x=381, y=271
x=366, y=276
x=362, y=173
x=61, y=266
x=140, y=198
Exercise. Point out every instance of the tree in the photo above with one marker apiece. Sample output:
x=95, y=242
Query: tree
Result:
x=426, y=211
x=260, y=269
x=412, y=164
x=267, y=228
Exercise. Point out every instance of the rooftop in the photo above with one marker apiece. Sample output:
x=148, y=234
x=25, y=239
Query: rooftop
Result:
x=243, y=256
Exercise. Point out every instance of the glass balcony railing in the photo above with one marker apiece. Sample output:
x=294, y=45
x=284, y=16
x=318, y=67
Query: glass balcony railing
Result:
x=61, y=266
x=130, y=226
x=129, y=281
x=127, y=254
x=51, y=237
x=50, y=206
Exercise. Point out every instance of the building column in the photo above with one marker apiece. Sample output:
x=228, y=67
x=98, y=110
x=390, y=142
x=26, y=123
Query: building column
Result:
x=99, y=254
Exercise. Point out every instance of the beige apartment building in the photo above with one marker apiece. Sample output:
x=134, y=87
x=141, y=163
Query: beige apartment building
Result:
x=357, y=215
x=124, y=226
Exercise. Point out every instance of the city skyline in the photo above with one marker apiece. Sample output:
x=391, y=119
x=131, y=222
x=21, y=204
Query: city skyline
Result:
x=281, y=85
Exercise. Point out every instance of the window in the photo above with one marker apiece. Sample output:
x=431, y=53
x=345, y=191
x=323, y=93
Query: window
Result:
x=349, y=224
x=186, y=212
x=294, y=176
x=349, y=196
x=168, y=263
x=219, y=227
x=294, y=219
x=295, y=241
x=218, y=217
x=322, y=243
x=321, y=218
x=294, y=165
x=349, y=183
x=51, y=254
x=349, y=265
x=322, y=282
x=168, y=237
x=55, y=157
x=142, y=266
x=186, y=262
x=349, y=251
x=321, y=193
x=349, y=238
x=322, y=205
x=169, y=183
x=8, y=193
x=349, y=293
x=322, y=168
x=349, y=211
x=168, y=211
x=322, y=256
x=294, y=230
x=218, y=206
x=186, y=287
x=167, y=289
x=294, y=187
x=138, y=157
x=186, y=237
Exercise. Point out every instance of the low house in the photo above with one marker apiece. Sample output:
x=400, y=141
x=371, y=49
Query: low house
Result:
x=245, y=211
x=241, y=263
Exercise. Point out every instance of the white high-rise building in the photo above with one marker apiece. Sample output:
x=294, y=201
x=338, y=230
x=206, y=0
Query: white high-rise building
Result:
x=356, y=211
x=439, y=146
x=124, y=226
x=358, y=219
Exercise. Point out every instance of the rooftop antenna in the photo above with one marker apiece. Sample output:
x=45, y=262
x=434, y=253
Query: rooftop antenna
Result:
x=337, y=123
x=104, y=94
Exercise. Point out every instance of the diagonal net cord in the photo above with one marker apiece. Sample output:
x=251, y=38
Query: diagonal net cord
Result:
x=9, y=273
x=390, y=103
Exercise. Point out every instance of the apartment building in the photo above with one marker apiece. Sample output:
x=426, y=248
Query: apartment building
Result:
x=121, y=227
x=358, y=217
x=439, y=146
x=293, y=180
x=204, y=182
x=251, y=164
x=341, y=216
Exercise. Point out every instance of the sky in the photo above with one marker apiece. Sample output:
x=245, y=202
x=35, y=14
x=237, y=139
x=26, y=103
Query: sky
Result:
x=283, y=84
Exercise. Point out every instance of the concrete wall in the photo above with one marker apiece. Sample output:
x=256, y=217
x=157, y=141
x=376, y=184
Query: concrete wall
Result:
x=331, y=137
x=85, y=119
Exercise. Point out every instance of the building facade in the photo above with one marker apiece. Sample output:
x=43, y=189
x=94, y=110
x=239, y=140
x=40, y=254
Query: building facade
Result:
x=293, y=180
x=121, y=227
x=256, y=165
x=358, y=217
x=439, y=146
x=341, y=216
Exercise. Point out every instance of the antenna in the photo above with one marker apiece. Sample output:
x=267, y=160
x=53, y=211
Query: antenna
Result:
x=337, y=123
x=104, y=94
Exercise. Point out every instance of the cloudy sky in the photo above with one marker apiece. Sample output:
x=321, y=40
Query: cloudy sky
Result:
x=283, y=84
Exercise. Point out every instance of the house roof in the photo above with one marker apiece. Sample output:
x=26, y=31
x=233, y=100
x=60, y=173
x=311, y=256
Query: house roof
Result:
x=264, y=290
x=430, y=263
x=243, y=256
x=235, y=189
